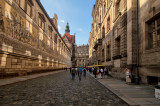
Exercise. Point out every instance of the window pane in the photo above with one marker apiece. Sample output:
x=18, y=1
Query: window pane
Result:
x=150, y=40
x=153, y=26
x=158, y=38
x=118, y=46
x=28, y=9
x=158, y=22
x=109, y=51
x=108, y=23
x=42, y=25
x=39, y=22
x=154, y=39
x=22, y=4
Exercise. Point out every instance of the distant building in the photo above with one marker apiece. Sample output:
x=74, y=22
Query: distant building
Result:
x=82, y=56
x=70, y=41
x=68, y=38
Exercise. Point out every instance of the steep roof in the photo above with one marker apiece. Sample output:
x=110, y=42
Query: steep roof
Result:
x=71, y=38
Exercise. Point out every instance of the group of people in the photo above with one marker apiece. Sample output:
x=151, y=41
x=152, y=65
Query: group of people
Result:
x=99, y=72
x=102, y=72
x=78, y=71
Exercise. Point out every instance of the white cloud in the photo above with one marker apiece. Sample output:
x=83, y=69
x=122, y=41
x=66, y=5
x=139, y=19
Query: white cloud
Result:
x=62, y=21
x=80, y=29
x=59, y=27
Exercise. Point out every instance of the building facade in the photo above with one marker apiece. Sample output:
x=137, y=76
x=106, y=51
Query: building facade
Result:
x=82, y=56
x=70, y=41
x=125, y=34
x=29, y=39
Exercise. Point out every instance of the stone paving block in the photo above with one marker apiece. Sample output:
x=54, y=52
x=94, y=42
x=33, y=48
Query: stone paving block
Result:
x=58, y=90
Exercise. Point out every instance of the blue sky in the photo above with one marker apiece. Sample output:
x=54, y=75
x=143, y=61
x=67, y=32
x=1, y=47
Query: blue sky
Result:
x=76, y=12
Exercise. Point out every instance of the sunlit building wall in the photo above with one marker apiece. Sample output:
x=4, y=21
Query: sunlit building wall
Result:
x=29, y=39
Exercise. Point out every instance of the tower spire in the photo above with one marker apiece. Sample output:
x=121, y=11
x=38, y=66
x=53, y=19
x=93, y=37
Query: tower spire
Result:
x=67, y=30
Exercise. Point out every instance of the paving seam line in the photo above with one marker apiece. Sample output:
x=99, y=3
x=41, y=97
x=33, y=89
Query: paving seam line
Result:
x=121, y=96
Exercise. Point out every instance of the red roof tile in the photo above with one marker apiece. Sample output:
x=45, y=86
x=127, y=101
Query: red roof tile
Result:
x=71, y=38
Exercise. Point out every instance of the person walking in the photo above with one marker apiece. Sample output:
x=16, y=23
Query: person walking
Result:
x=73, y=72
x=102, y=72
x=128, y=76
x=92, y=70
x=95, y=72
x=80, y=73
x=84, y=71
x=70, y=69
x=98, y=73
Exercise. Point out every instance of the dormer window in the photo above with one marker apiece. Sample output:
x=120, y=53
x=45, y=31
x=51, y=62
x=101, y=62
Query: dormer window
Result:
x=41, y=21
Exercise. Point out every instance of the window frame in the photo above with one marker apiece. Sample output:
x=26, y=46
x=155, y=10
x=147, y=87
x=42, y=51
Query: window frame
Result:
x=28, y=4
x=118, y=46
x=153, y=41
x=41, y=21
x=108, y=23
x=108, y=52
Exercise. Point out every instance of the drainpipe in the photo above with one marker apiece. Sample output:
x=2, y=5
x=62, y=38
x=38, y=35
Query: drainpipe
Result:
x=137, y=44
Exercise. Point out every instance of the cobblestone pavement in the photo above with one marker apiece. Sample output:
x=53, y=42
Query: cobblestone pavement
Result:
x=58, y=90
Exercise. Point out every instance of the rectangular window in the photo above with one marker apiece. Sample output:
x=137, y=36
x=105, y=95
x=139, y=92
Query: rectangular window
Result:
x=108, y=24
x=104, y=8
x=28, y=9
x=42, y=25
x=108, y=52
x=22, y=4
x=50, y=33
x=154, y=33
x=103, y=55
x=117, y=46
x=103, y=32
x=55, y=39
x=40, y=22
x=18, y=2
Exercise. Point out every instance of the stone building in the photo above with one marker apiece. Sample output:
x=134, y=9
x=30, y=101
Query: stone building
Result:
x=70, y=41
x=29, y=39
x=82, y=56
x=126, y=33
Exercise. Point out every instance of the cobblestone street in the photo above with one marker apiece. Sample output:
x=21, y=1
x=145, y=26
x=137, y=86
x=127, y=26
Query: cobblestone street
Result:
x=58, y=90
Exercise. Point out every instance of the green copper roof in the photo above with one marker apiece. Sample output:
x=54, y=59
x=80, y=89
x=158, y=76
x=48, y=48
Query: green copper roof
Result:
x=67, y=28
